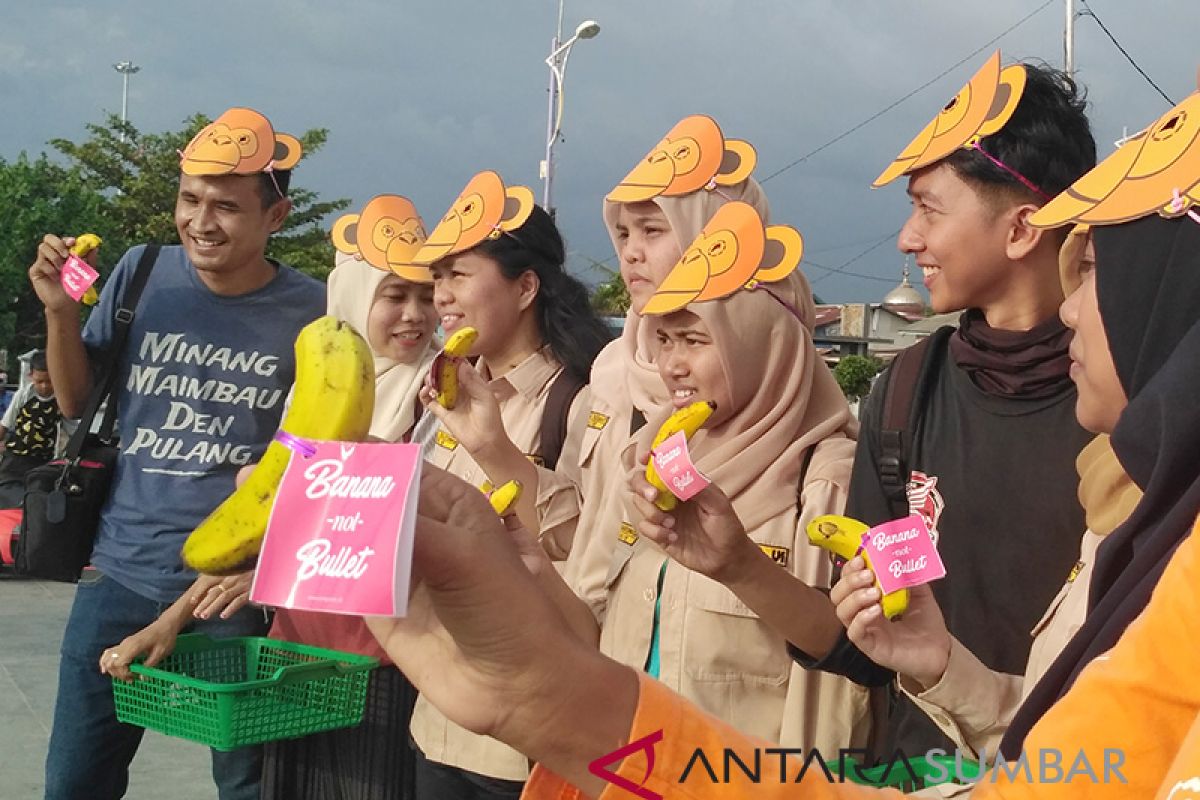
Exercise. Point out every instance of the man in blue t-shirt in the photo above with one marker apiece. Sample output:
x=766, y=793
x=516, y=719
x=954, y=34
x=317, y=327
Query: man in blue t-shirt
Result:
x=200, y=390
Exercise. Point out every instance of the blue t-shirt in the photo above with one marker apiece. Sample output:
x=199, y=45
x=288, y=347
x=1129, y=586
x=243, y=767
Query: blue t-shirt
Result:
x=202, y=386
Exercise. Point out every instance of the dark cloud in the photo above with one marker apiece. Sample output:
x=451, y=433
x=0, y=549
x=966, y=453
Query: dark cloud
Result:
x=420, y=95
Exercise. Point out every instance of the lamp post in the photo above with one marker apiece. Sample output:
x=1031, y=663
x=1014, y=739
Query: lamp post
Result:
x=126, y=68
x=557, y=62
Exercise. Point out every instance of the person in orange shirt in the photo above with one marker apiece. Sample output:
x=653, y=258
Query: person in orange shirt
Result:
x=477, y=643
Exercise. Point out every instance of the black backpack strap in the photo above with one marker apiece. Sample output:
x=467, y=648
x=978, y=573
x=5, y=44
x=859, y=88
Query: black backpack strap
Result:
x=637, y=420
x=555, y=416
x=805, y=462
x=105, y=384
x=911, y=373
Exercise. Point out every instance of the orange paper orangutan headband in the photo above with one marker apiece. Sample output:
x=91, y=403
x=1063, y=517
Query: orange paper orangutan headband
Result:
x=239, y=142
x=1158, y=170
x=387, y=233
x=693, y=155
x=734, y=250
x=485, y=209
x=980, y=108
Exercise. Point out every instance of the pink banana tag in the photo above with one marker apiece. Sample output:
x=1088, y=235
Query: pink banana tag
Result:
x=903, y=554
x=77, y=276
x=674, y=465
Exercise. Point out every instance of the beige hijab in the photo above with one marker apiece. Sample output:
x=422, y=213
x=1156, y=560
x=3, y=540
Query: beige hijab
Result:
x=625, y=369
x=786, y=398
x=351, y=290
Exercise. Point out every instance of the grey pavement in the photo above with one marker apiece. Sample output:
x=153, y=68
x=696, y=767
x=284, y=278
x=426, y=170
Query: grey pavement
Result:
x=32, y=617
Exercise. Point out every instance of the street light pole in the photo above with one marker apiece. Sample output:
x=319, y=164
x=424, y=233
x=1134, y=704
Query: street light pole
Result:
x=126, y=68
x=557, y=62
x=1069, y=40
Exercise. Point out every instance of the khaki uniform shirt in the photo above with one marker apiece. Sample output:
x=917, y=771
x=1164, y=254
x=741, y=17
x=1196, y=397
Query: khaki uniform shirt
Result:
x=713, y=649
x=973, y=704
x=522, y=394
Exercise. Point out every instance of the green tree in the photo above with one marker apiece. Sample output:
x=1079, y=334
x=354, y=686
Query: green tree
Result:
x=854, y=374
x=610, y=297
x=36, y=196
x=138, y=175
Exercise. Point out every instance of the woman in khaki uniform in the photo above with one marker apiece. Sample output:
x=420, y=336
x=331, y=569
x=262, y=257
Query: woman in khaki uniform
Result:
x=535, y=328
x=778, y=449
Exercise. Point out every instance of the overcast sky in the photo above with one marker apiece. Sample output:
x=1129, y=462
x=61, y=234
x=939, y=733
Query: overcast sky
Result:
x=418, y=96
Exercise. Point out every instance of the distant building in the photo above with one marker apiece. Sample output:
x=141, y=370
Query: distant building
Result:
x=868, y=328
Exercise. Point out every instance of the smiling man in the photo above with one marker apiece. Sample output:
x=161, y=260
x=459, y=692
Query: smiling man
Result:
x=200, y=390
x=985, y=447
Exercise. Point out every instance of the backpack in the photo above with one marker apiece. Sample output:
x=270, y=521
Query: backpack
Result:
x=555, y=416
x=911, y=376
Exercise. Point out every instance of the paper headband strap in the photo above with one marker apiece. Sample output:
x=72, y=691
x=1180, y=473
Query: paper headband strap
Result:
x=694, y=155
x=980, y=108
x=485, y=209
x=240, y=142
x=733, y=251
x=388, y=233
x=1155, y=171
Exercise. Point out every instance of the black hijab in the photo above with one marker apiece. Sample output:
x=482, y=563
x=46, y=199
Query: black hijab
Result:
x=1148, y=287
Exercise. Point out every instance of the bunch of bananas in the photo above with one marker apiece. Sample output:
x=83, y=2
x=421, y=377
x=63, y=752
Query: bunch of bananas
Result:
x=333, y=400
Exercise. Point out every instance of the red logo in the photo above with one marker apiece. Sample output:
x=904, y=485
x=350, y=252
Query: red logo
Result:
x=646, y=743
x=925, y=499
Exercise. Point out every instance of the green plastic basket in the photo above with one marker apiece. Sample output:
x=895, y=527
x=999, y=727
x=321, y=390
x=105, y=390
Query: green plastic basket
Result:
x=229, y=693
x=900, y=775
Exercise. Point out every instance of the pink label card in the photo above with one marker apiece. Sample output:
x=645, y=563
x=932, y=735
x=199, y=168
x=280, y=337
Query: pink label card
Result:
x=674, y=465
x=903, y=554
x=340, y=535
x=77, y=276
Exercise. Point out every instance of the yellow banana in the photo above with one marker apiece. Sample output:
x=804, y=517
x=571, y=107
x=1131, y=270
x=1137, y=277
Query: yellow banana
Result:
x=445, y=366
x=689, y=420
x=84, y=244
x=333, y=399
x=505, y=497
x=842, y=536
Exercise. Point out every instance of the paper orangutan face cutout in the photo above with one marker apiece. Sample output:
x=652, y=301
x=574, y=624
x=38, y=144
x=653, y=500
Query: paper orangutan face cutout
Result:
x=981, y=108
x=733, y=250
x=484, y=209
x=239, y=142
x=387, y=233
x=693, y=155
x=1145, y=175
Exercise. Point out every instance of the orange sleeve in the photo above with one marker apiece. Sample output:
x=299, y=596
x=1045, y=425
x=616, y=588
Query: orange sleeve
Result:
x=1138, y=702
x=675, y=771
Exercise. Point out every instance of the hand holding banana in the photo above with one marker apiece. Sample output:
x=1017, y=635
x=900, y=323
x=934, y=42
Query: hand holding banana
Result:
x=462, y=401
x=842, y=536
x=84, y=244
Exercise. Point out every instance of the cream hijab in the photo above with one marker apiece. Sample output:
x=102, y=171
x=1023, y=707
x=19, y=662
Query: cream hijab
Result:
x=351, y=290
x=625, y=369
x=786, y=398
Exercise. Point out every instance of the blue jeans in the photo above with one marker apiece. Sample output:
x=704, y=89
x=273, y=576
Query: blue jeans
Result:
x=90, y=750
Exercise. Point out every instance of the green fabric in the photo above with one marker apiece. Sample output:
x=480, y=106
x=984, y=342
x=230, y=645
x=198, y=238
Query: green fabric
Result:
x=652, y=663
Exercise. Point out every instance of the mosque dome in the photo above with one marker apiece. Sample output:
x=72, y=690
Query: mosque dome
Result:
x=905, y=296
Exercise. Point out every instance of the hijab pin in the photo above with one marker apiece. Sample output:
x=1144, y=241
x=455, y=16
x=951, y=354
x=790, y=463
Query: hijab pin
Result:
x=712, y=184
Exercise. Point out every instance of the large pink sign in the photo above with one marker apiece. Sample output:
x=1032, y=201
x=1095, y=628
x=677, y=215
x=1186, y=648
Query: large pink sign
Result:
x=340, y=535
